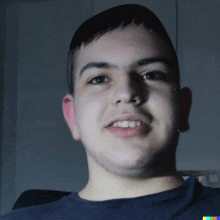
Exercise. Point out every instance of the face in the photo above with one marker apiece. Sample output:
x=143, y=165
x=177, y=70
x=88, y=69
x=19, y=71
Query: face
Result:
x=125, y=108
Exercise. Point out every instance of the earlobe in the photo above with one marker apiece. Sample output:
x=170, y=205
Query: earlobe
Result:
x=185, y=105
x=69, y=115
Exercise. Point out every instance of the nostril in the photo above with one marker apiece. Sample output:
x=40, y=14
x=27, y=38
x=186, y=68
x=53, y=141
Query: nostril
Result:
x=135, y=100
x=130, y=89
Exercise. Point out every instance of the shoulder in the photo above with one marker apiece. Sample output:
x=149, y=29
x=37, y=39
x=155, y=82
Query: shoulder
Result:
x=52, y=210
x=209, y=196
x=32, y=212
x=17, y=215
x=204, y=201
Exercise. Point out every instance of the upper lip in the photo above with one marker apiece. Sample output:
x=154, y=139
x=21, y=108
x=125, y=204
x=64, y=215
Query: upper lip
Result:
x=128, y=117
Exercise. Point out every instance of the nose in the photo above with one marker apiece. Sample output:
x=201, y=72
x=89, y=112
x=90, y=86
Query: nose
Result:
x=130, y=89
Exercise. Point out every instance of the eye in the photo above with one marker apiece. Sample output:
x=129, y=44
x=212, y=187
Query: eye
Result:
x=99, y=80
x=154, y=75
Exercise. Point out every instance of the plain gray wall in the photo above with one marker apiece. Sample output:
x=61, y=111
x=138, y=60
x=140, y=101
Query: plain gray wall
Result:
x=37, y=151
x=199, y=58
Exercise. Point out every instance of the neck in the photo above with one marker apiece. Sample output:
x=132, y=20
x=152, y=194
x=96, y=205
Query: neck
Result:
x=103, y=185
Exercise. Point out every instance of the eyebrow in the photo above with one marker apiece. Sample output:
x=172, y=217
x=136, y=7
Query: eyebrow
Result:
x=146, y=61
x=136, y=64
x=100, y=65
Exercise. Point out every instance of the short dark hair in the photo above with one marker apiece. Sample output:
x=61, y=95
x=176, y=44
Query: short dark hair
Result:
x=119, y=16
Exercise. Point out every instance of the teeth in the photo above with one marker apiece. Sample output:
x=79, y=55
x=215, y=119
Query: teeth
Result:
x=126, y=124
x=132, y=124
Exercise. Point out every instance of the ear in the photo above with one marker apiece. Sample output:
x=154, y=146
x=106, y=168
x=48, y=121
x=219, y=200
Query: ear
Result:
x=185, y=105
x=69, y=115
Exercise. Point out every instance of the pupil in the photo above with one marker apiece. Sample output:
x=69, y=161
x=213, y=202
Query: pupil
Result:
x=99, y=79
x=150, y=76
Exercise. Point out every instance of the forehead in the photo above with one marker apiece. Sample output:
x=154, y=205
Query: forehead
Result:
x=123, y=46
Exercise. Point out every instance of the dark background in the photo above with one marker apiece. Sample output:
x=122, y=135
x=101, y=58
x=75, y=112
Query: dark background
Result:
x=37, y=151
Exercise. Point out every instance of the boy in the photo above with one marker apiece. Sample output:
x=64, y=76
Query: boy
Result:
x=127, y=108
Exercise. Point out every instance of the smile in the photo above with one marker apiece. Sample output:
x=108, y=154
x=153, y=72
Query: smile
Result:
x=126, y=124
x=127, y=128
x=125, y=131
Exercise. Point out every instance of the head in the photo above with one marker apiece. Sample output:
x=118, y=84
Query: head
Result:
x=125, y=102
x=111, y=19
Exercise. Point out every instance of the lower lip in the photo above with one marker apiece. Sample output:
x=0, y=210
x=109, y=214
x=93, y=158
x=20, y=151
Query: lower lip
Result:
x=125, y=132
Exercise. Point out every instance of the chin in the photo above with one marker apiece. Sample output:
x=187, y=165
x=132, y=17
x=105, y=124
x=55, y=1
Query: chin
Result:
x=128, y=165
x=132, y=171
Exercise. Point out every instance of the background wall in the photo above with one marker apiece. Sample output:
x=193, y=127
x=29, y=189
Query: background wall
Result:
x=37, y=150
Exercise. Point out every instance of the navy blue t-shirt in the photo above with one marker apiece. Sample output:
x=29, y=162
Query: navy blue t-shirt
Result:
x=191, y=200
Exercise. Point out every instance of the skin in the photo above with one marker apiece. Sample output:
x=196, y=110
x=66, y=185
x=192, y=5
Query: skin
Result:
x=122, y=167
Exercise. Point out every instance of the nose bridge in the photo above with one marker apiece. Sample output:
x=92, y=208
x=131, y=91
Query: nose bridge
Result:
x=123, y=86
x=124, y=83
x=127, y=88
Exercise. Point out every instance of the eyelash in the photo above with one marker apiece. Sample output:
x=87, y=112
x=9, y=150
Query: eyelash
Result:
x=98, y=77
x=153, y=75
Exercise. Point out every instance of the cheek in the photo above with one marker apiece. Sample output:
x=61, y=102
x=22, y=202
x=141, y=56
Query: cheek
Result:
x=88, y=113
x=165, y=123
x=163, y=105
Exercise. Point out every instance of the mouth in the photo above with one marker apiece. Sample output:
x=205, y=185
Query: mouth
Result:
x=128, y=127
x=126, y=124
